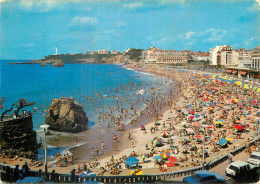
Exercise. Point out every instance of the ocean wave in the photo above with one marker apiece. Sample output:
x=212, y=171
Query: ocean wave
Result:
x=144, y=73
x=140, y=92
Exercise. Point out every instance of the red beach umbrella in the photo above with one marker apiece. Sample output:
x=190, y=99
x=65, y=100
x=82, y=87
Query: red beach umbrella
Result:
x=172, y=159
x=198, y=136
x=192, y=112
x=239, y=127
x=192, y=117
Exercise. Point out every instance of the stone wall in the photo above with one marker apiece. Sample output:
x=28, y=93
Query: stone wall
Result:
x=18, y=134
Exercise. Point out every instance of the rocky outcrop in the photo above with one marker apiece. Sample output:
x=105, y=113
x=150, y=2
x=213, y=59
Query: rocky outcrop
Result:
x=58, y=63
x=66, y=115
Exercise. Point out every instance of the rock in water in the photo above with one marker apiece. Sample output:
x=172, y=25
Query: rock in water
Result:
x=66, y=115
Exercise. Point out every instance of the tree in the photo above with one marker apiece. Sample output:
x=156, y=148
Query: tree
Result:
x=21, y=104
x=6, y=111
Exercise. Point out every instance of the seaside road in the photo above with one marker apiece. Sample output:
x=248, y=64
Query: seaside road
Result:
x=220, y=169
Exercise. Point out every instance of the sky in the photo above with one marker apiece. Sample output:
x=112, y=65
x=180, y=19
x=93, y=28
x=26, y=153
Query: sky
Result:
x=31, y=29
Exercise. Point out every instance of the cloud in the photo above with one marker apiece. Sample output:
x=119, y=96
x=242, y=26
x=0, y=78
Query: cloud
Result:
x=84, y=21
x=84, y=24
x=133, y=5
x=189, y=34
x=121, y=24
x=215, y=35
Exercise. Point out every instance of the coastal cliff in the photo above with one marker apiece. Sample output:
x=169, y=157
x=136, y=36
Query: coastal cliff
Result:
x=66, y=115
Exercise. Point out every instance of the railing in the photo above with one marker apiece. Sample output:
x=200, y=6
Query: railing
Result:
x=65, y=178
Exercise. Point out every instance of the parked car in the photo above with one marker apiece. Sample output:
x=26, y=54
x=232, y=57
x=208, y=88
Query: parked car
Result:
x=31, y=180
x=204, y=176
x=240, y=169
x=254, y=159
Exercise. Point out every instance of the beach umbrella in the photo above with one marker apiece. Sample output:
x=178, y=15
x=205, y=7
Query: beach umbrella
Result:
x=218, y=122
x=170, y=164
x=143, y=156
x=192, y=117
x=198, y=136
x=229, y=139
x=238, y=127
x=245, y=114
x=184, y=139
x=201, y=151
x=165, y=133
x=165, y=151
x=131, y=161
x=192, y=112
x=157, y=140
x=222, y=142
x=196, y=123
x=164, y=155
x=172, y=159
x=192, y=145
x=245, y=126
x=156, y=157
x=197, y=116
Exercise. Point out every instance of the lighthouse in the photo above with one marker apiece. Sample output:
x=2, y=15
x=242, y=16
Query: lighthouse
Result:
x=56, y=50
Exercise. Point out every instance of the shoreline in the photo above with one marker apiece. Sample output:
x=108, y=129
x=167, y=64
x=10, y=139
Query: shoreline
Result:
x=136, y=133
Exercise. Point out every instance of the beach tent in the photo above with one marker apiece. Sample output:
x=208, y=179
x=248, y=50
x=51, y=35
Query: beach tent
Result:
x=131, y=161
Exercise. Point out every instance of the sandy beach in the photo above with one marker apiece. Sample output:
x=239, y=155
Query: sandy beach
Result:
x=228, y=109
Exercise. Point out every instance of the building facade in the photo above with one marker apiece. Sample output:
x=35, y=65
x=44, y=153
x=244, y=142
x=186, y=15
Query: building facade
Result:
x=103, y=52
x=256, y=61
x=214, y=55
x=115, y=52
x=156, y=55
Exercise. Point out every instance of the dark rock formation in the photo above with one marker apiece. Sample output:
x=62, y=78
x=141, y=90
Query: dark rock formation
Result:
x=58, y=63
x=66, y=115
x=17, y=133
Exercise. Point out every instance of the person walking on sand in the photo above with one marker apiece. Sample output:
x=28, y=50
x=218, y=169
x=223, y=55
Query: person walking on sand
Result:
x=230, y=157
x=97, y=151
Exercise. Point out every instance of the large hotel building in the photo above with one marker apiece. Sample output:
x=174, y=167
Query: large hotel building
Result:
x=156, y=55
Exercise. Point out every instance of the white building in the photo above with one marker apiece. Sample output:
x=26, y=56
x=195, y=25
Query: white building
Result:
x=115, y=52
x=144, y=54
x=156, y=55
x=214, y=54
x=228, y=57
x=103, y=51
x=256, y=61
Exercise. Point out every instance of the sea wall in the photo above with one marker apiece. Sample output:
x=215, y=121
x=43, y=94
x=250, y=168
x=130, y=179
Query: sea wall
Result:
x=18, y=134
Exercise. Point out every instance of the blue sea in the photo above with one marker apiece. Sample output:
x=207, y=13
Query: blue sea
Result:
x=95, y=86
x=99, y=88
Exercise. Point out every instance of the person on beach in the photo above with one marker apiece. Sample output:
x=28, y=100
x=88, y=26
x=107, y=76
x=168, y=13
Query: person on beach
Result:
x=97, y=151
x=92, y=153
x=230, y=157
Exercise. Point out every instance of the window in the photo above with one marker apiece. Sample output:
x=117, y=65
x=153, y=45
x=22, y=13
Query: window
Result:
x=255, y=157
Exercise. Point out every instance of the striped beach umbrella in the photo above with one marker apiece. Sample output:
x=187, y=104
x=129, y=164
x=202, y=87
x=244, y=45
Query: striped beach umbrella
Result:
x=192, y=145
x=164, y=155
x=165, y=151
x=143, y=156
x=157, y=140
